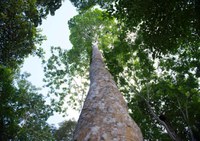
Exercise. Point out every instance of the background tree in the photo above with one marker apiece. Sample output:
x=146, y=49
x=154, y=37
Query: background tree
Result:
x=65, y=131
x=23, y=112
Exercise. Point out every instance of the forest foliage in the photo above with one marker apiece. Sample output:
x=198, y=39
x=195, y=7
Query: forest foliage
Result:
x=151, y=48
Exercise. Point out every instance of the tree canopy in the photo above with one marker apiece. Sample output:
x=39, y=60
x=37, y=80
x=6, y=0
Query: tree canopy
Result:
x=23, y=112
x=18, y=33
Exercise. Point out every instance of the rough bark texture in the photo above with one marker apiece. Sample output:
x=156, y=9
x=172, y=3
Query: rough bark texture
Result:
x=104, y=116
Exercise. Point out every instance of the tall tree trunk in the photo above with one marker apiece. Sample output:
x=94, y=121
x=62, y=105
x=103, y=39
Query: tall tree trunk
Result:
x=104, y=116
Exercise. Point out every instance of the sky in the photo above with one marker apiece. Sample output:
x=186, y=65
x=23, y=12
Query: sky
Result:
x=55, y=28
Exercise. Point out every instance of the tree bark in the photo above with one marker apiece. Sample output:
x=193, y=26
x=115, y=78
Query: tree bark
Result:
x=104, y=116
